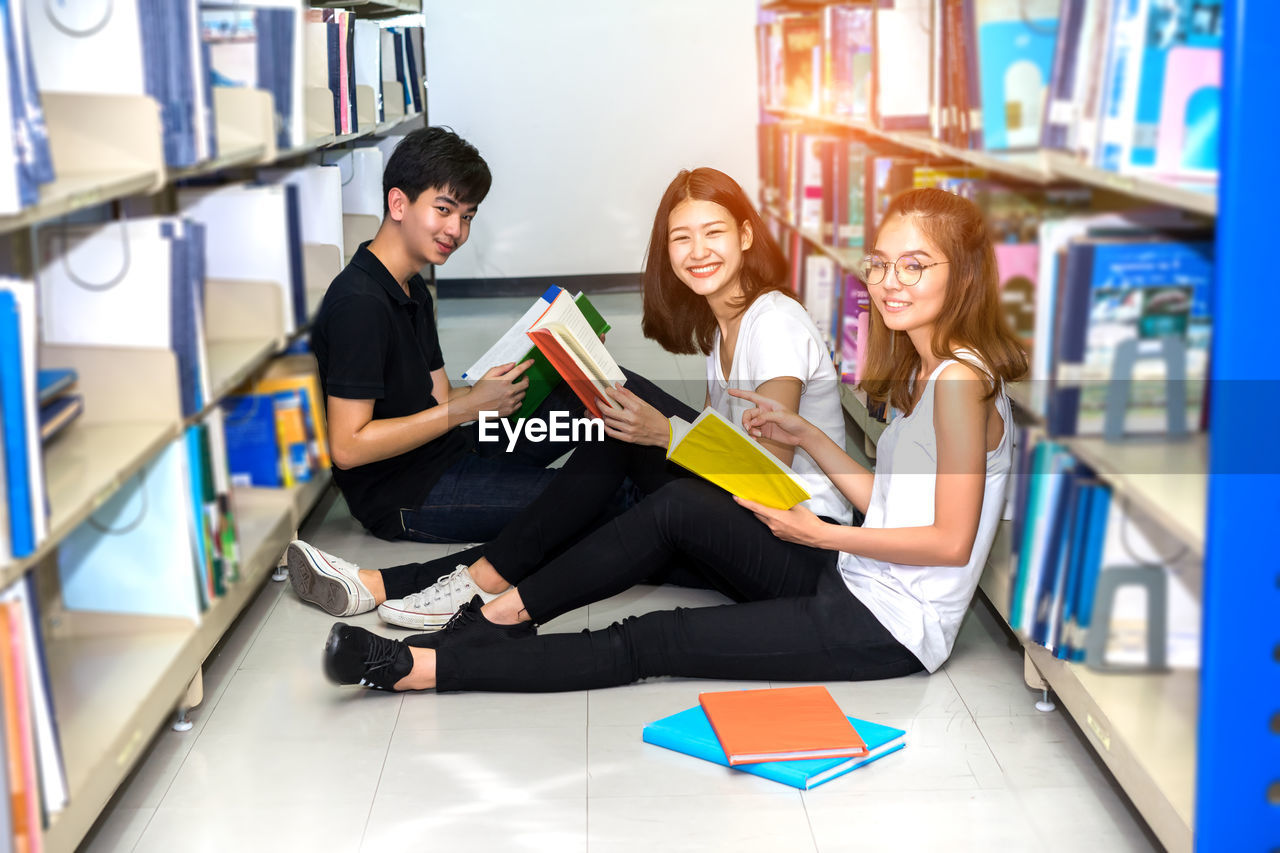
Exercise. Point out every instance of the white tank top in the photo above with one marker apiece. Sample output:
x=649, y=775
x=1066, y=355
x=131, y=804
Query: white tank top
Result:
x=922, y=606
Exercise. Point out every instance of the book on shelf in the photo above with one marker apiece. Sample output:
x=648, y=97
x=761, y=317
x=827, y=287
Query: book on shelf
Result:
x=847, y=39
x=720, y=452
x=51, y=382
x=1016, y=267
x=133, y=283
x=1118, y=289
x=1015, y=45
x=802, y=61
x=780, y=724
x=24, y=484
x=582, y=326
x=28, y=643
x=253, y=448
x=251, y=236
x=856, y=329
x=1179, y=71
x=58, y=414
x=21, y=766
x=307, y=386
x=144, y=48
x=135, y=553
x=27, y=161
x=901, y=91
x=689, y=732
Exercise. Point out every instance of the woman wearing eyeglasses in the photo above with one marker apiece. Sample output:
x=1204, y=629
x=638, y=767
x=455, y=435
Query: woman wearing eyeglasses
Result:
x=817, y=601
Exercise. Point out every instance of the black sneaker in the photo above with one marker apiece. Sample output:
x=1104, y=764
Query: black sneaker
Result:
x=353, y=655
x=468, y=625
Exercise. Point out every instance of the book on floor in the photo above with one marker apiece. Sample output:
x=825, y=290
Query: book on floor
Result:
x=518, y=344
x=690, y=732
x=780, y=724
x=718, y=450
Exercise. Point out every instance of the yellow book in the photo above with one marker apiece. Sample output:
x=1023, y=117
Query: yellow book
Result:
x=314, y=407
x=719, y=451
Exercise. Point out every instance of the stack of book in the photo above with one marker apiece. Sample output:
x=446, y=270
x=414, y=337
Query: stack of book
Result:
x=794, y=735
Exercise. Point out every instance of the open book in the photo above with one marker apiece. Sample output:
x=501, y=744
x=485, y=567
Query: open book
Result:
x=515, y=346
x=717, y=450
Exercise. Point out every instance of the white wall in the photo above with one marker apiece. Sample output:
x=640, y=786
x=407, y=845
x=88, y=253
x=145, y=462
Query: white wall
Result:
x=585, y=110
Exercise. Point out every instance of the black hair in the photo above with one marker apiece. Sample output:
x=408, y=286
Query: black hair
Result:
x=436, y=157
x=680, y=320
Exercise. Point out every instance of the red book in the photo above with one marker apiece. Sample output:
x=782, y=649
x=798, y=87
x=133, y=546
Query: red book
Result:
x=565, y=336
x=780, y=724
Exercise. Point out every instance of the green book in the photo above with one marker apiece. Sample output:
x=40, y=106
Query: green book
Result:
x=515, y=346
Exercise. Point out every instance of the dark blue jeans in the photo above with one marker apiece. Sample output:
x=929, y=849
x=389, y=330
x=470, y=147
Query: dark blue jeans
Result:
x=490, y=486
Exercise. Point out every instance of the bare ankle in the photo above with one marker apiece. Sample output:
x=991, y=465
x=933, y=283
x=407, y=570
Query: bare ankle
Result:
x=485, y=576
x=423, y=674
x=372, y=579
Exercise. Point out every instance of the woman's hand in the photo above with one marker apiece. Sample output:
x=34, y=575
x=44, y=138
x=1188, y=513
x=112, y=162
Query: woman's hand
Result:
x=771, y=420
x=631, y=419
x=797, y=524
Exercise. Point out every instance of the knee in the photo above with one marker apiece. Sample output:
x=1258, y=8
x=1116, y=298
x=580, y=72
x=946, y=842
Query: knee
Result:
x=688, y=504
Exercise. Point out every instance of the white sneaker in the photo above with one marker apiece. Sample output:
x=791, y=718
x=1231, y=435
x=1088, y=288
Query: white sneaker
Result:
x=329, y=582
x=434, y=606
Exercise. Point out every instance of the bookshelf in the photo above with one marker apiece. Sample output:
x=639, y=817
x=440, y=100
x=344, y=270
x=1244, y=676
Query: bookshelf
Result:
x=1172, y=740
x=116, y=678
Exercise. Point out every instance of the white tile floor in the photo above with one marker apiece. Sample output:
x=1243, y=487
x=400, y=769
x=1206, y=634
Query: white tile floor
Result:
x=279, y=760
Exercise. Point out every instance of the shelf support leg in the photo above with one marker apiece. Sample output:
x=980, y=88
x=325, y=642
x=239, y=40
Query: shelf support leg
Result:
x=1036, y=681
x=281, y=573
x=193, y=696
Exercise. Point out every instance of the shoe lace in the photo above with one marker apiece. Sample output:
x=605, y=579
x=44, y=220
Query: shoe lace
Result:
x=466, y=614
x=380, y=653
x=456, y=581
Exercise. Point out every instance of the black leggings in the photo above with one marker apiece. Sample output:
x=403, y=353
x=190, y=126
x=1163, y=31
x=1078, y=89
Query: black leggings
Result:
x=583, y=496
x=797, y=621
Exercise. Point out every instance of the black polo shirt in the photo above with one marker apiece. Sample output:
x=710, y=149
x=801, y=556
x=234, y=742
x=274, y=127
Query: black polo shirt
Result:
x=372, y=342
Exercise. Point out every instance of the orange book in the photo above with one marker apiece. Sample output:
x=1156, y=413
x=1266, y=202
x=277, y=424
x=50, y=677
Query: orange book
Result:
x=780, y=724
x=24, y=807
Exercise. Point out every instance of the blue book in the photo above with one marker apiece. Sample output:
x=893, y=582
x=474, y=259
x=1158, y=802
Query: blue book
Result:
x=50, y=382
x=1117, y=288
x=1189, y=23
x=1015, y=59
x=690, y=732
x=58, y=415
x=14, y=424
x=1091, y=565
x=253, y=451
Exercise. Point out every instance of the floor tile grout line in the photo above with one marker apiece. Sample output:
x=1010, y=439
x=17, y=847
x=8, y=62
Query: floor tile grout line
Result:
x=378, y=787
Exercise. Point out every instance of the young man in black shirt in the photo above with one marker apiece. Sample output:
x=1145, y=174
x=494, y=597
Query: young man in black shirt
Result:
x=405, y=468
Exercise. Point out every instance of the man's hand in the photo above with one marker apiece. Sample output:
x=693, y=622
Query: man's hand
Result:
x=500, y=390
x=630, y=418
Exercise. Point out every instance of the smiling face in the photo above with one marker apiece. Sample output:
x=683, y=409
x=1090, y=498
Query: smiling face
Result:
x=705, y=246
x=908, y=309
x=435, y=224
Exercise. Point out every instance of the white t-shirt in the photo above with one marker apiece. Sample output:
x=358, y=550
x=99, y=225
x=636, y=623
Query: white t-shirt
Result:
x=922, y=606
x=777, y=338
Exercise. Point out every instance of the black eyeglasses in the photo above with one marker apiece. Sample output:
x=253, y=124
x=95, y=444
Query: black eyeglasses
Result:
x=907, y=268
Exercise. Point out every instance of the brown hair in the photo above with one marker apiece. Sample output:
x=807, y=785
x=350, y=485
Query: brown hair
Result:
x=676, y=317
x=970, y=318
